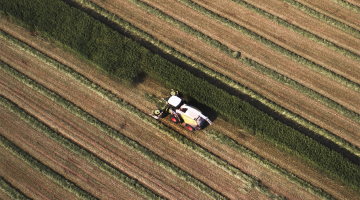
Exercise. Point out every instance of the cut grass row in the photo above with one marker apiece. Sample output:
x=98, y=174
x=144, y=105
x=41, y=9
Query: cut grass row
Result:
x=298, y=30
x=233, y=108
x=77, y=111
x=10, y=190
x=303, y=184
x=36, y=164
x=323, y=132
x=257, y=66
x=222, y=138
x=324, y=18
x=347, y=5
x=93, y=159
x=250, y=181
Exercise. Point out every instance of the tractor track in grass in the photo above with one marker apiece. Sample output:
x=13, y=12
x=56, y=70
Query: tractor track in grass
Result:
x=137, y=98
x=265, y=56
x=307, y=108
x=28, y=180
x=62, y=160
x=334, y=11
x=251, y=193
x=207, y=172
x=286, y=38
x=24, y=177
x=102, y=145
x=308, y=23
x=168, y=149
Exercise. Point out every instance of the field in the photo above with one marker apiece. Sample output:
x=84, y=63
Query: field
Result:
x=75, y=126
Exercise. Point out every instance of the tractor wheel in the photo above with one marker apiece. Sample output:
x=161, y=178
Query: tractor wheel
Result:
x=174, y=119
x=190, y=128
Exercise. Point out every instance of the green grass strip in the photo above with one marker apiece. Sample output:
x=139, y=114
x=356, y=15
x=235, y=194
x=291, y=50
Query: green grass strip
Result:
x=171, y=76
x=247, y=179
x=10, y=190
x=224, y=79
x=273, y=74
x=87, y=155
x=128, y=181
x=324, y=18
x=257, y=66
x=222, y=138
x=348, y=5
x=37, y=165
x=231, y=107
x=299, y=30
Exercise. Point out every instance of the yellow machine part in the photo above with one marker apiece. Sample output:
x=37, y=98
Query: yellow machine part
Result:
x=189, y=120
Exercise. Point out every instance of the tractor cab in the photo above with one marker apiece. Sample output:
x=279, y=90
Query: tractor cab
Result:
x=180, y=112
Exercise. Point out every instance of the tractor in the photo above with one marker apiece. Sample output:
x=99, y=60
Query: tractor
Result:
x=180, y=112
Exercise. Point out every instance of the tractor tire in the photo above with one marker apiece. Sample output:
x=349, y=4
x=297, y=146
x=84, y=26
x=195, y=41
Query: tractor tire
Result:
x=175, y=119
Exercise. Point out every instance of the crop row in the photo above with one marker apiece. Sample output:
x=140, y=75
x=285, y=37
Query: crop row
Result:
x=150, y=120
x=298, y=30
x=93, y=159
x=323, y=132
x=250, y=182
x=36, y=164
x=348, y=5
x=11, y=191
x=222, y=138
x=258, y=67
x=77, y=111
x=323, y=17
x=231, y=107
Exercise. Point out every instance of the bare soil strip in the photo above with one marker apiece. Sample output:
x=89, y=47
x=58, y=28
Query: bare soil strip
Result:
x=265, y=56
x=305, y=22
x=133, y=95
x=335, y=11
x=354, y=2
x=233, y=183
x=63, y=161
x=296, y=102
x=200, y=168
x=315, y=26
x=95, y=141
x=285, y=37
x=136, y=97
x=8, y=191
x=27, y=179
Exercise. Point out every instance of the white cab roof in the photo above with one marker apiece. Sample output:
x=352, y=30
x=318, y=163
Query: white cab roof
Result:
x=174, y=101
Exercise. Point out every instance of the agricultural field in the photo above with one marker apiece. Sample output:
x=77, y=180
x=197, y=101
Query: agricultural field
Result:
x=280, y=79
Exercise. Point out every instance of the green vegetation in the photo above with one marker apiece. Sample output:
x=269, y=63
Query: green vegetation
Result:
x=77, y=111
x=93, y=159
x=348, y=5
x=36, y=164
x=271, y=73
x=299, y=30
x=11, y=191
x=229, y=106
x=323, y=18
x=222, y=138
x=323, y=132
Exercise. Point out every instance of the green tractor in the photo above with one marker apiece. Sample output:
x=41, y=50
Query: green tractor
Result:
x=180, y=112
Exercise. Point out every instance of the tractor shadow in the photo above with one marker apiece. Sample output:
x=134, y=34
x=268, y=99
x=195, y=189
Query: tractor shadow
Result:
x=210, y=113
x=207, y=111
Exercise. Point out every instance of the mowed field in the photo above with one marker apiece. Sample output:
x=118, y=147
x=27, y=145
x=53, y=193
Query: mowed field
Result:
x=64, y=138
